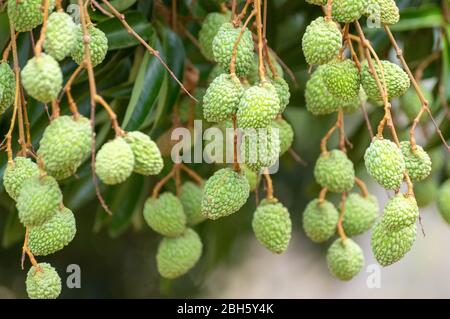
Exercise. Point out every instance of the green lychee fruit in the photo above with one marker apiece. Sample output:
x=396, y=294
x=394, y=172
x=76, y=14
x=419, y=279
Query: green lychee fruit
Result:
x=418, y=162
x=286, y=134
x=60, y=37
x=425, y=192
x=54, y=234
x=251, y=176
x=335, y=172
x=224, y=194
x=272, y=226
x=360, y=214
x=260, y=148
x=321, y=42
x=345, y=259
x=389, y=247
x=347, y=11
x=396, y=80
x=400, y=211
x=258, y=107
x=177, y=255
x=355, y=104
x=320, y=220
x=282, y=89
x=342, y=80
x=38, y=201
x=16, y=173
x=223, y=45
x=384, y=162
x=253, y=75
x=165, y=215
x=65, y=144
x=28, y=14
x=114, y=162
x=98, y=46
x=191, y=198
x=222, y=98
x=147, y=157
x=42, y=78
x=7, y=87
x=211, y=25
x=443, y=201
x=384, y=11
x=43, y=282
x=319, y=101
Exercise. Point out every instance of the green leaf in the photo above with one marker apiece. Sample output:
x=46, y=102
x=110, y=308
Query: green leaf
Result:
x=118, y=36
x=429, y=16
x=119, y=5
x=4, y=35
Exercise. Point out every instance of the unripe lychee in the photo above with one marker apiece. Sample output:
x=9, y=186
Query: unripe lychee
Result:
x=251, y=176
x=345, y=259
x=258, y=107
x=396, y=80
x=418, y=162
x=7, y=87
x=65, y=144
x=114, y=162
x=272, y=226
x=16, y=173
x=147, y=157
x=443, y=201
x=208, y=31
x=60, y=37
x=282, y=89
x=224, y=194
x=384, y=162
x=321, y=42
x=27, y=15
x=165, y=215
x=400, y=211
x=335, y=172
x=285, y=133
x=222, y=98
x=389, y=247
x=319, y=101
x=320, y=220
x=54, y=234
x=384, y=11
x=253, y=75
x=347, y=11
x=43, y=282
x=342, y=79
x=98, y=46
x=260, y=148
x=191, y=198
x=360, y=214
x=177, y=255
x=42, y=78
x=223, y=45
x=425, y=192
x=38, y=201
x=355, y=104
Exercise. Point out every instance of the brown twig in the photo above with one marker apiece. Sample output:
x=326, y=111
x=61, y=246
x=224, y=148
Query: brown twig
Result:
x=259, y=27
x=112, y=115
x=164, y=180
x=269, y=184
x=27, y=251
x=297, y=157
x=329, y=9
x=362, y=186
x=326, y=138
x=40, y=42
x=323, y=195
x=236, y=20
x=193, y=174
x=236, y=44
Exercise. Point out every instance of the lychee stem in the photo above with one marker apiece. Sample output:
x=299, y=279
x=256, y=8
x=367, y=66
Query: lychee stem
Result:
x=197, y=178
x=236, y=19
x=262, y=70
x=26, y=251
x=269, y=184
x=322, y=195
x=362, y=186
x=236, y=44
x=40, y=42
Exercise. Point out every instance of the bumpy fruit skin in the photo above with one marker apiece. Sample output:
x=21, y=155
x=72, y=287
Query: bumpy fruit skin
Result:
x=335, y=172
x=54, y=234
x=224, y=194
x=320, y=220
x=418, y=164
x=147, y=157
x=396, y=80
x=42, y=78
x=191, y=198
x=347, y=11
x=384, y=162
x=223, y=44
x=400, y=211
x=389, y=247
x=342, y=79
x=65, y=144
x=425, y=192
x=60, y=37
x=258, y=106
x=251, y=176
x=260, y=148
x=355, y=104
x=16, y=173
x=321, y=42
x=360, y=214
x=7, y=87
x=319, y=101
x=222, y=98
x=345, y=259
x=286, y=134
x=283, y=93
x=43, y=282
x=176, y=256
x=165, y=215
x=253, y=75
x=386, y=11
x=98, y=46
x=26, y=15
x=411, y=105
x=114, y=162
x=208, y=31
x=272, y=226
x=38, y=201
x=443, y=201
